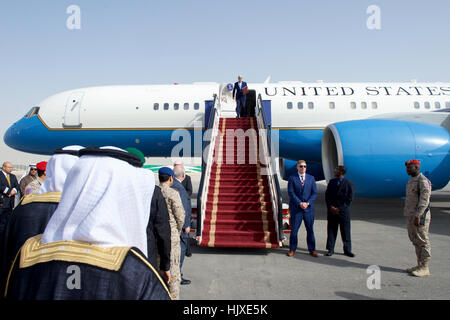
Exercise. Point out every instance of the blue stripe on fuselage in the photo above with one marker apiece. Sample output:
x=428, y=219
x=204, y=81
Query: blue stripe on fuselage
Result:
x=31, y=135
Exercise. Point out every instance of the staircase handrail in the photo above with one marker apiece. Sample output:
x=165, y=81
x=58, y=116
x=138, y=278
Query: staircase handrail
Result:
x=274, y=185
x=213, y=127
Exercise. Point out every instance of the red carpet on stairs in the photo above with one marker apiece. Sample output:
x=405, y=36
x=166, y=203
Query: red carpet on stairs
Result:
x=238, y=208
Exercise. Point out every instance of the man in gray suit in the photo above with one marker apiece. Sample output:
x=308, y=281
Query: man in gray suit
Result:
x=186, y=200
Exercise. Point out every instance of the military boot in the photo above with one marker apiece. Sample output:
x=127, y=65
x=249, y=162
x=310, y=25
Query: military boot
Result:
x=422, y=271
x=409, y=270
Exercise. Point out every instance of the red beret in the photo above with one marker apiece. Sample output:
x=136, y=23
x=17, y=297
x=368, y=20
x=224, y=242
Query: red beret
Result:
x=413, y=161
x=41, y=165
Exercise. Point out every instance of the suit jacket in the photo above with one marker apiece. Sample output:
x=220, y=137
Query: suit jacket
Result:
x=186, y=200
x=187, y=184
x=299, y=193
x=158, y=231
x=237, y=92
x=340, y=196
x=5, y=190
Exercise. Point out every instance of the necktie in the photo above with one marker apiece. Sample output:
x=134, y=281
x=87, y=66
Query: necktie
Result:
x=9, y=181
x=303, y=180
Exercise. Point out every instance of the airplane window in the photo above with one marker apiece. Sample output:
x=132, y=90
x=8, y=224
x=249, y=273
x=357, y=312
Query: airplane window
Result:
x=196, y=106
x=353, y=105
x=427, y=105
x=33, y=111
x=332, y=105
x=447, y=104
x=186, y=106
x=166, y=106
x=363, y=105
x=416, y=105
x=289, y=105
x=156, y=106
x=310, y=105
x=437, y=105
x=300, y=105
x=176, y=106
x=374, y=105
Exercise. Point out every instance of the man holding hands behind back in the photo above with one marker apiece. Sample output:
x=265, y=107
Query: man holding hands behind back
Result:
x=339, y=197
x=302, y=192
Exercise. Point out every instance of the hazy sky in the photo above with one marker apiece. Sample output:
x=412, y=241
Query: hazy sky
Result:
x=159, y=42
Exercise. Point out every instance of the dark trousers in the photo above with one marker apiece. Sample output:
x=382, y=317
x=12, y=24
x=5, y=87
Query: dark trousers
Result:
x=5, y=214
x=335, y=221
x=184, y=238
x=240, y=106
x=296, y=222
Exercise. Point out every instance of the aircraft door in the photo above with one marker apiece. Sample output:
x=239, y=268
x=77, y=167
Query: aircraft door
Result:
x=73, y=109
x=267, y=106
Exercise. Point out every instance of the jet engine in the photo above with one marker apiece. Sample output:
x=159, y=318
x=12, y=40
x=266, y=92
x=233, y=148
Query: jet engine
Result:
x=374, y=152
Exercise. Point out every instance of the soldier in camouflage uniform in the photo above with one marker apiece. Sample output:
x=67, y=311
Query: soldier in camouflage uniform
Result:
x=176, y=220
x=418, y=216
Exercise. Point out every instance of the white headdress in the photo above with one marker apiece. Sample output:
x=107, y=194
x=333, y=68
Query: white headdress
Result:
x=105, y=201
x=58, y=167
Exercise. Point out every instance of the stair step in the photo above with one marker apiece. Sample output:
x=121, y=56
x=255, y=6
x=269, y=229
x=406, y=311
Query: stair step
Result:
x=248, y=214
x=238, y=205
x=255, y=196
x=243, y=236
x=225, y=243
x=235, y=169
x=235, y=175
x=239, y=225
x=238, y=189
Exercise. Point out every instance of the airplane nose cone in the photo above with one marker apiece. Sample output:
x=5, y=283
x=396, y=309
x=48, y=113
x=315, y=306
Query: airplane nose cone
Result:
x=10, y=135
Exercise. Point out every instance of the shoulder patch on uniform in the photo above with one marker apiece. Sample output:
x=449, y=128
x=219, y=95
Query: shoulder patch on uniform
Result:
x=33, y=252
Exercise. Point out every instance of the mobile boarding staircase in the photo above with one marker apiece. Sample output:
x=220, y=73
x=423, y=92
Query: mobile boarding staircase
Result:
x=239, y=199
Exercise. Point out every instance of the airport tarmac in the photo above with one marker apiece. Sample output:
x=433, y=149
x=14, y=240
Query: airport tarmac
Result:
x=379, y=238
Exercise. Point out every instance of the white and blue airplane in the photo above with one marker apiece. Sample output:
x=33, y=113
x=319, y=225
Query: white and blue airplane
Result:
x=371, y=128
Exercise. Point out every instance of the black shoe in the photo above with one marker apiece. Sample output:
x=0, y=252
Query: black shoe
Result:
x=188, y=254
x=329, y=253
x=185, y=281
x=349, y=254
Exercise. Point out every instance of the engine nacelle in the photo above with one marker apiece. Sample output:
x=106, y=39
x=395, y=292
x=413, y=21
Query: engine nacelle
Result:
x=374, y=152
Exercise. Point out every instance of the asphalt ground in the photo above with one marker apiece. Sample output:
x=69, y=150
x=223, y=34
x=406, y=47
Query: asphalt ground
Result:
x=379, y=239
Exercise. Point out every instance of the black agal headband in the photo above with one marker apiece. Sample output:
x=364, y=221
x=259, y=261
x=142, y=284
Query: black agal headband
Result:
x=62, y=151
x=132, y=159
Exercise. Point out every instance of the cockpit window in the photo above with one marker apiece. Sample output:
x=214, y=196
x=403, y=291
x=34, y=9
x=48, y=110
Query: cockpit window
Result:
x=33, y=112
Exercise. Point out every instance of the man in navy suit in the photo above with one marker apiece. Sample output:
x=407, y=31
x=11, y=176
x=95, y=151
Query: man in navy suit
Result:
x=8, y=189
x=179, y=176
x=239, y=96
x=302, y=192
x=339, y=197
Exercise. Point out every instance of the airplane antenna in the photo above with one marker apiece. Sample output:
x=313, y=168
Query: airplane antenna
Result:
x=267, y=80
